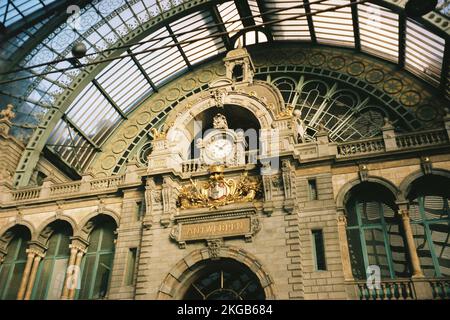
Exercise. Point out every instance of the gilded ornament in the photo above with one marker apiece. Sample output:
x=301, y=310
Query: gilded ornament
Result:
x=218, y=191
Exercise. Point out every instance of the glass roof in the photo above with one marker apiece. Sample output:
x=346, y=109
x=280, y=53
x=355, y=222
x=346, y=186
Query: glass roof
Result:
x=14, y=10
x=176, y=47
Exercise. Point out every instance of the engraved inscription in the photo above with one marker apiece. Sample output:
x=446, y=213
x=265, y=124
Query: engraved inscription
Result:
x=215, y=229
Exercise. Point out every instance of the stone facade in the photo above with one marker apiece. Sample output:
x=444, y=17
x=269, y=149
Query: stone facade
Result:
x=278, y=248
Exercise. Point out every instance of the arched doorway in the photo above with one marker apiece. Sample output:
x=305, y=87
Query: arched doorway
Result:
x=223, y=279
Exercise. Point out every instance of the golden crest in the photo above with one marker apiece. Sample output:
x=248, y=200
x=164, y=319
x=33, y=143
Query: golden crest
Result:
x=218, y=191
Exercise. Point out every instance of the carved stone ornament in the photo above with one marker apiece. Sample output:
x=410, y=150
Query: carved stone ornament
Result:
x=426, y=165
x=214, y=246
x=216, y=226
x=7, y=113
x=363, y=172
x=218, y=191
x=219, y=97
x=220, y=121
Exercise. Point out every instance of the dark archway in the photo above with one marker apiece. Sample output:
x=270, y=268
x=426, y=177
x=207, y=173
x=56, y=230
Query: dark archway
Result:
x=223, y=279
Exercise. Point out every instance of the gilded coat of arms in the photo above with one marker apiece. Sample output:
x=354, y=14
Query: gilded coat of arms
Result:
x=218, y=191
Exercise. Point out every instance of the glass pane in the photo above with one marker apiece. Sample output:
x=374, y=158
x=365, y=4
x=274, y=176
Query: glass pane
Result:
x=336, y=26
x=94, y=240
x=86, y=277
x=56, y=282
x=378, y=29
x=45, y=272
x=376, y=250
x=356, y=254
x=423, y=250
x=424, y=52
x=4, y=275
x=370, y=212
x=102, y=276
x=14, y=285
x=398, y=250
x=434, y=207
x=294, y=25
x=440, y=233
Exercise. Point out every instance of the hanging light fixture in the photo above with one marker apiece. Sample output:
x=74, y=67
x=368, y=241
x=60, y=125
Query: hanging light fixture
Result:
x=418, y=8
x=79, y=50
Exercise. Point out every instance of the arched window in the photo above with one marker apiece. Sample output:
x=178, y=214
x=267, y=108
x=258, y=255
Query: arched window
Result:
x=98, y=261
x=11, y=270
x=375, y=232
x=52, y=269
x=225, y=279
x=430, y=223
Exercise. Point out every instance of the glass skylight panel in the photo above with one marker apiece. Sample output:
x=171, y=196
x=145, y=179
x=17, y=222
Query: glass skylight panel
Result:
x=124, y=82
x=251, y=37
x=424, y=53
x=254, y=8
x=333, y=27
x=163, y=62
x=140, y=11
x=205, y=46
x=92, y=113
x=378, y=31
x=230, y=17
x=294, y=25
x=68, y=144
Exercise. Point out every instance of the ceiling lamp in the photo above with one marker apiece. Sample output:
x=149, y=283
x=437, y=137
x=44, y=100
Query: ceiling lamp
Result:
x=417, y=8
x=79, y=50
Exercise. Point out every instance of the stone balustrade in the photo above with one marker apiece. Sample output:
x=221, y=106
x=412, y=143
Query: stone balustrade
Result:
x=403, y=289
x=362, y=147
x=421, y=139
x=63, y=190
x=399, y=289
x=26, y=194
x=440, y=288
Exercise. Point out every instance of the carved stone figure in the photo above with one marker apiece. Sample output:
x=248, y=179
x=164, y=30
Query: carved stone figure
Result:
x=7, y=113
x=299, y=127
x=220, y=122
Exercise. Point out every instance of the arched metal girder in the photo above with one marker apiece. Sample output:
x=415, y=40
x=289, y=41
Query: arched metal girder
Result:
x=41, y=134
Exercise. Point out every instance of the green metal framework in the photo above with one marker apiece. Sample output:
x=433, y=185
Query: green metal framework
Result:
x=11, y=269
x=433, y=221
x=52, y=269
x=97, y=263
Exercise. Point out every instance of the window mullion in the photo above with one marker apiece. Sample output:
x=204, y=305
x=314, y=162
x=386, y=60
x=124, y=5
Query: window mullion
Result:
x=387, y=242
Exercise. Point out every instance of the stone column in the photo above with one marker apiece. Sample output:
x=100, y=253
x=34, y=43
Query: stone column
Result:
x=77, y=265
x=343, y=244
x=69, y=272
x=26, y=274
x=414, y=257
x=34, y=269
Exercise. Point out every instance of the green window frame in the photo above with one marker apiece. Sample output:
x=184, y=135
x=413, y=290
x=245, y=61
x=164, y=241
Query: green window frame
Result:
x=420, y=219
x=52, y=269
x=369, y=235
x=11, y=270
x=97, y=263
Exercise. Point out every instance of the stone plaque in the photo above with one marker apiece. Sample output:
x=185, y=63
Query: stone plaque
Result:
x=244, y=224
x=215, y=229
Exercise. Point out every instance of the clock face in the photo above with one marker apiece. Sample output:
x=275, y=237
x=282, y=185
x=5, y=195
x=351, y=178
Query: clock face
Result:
x=219, y=149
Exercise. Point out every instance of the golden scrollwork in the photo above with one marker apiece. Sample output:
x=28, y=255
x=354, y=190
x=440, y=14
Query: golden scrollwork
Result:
x=218, y=191
x=287, y=112
x=161, y=134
